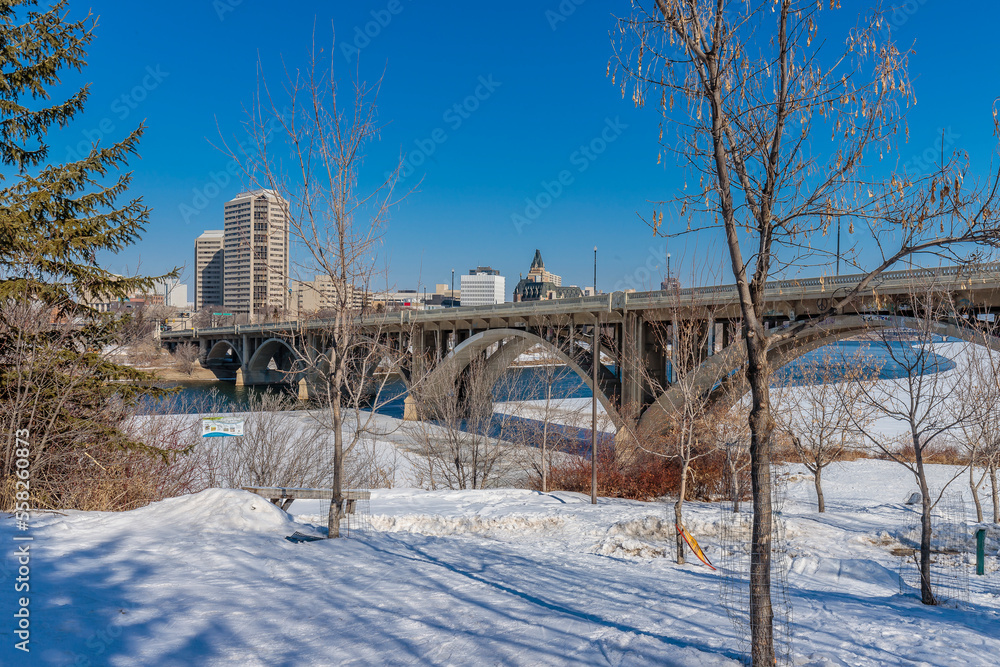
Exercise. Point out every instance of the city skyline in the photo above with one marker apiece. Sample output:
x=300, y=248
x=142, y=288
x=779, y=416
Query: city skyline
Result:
x=485, y=134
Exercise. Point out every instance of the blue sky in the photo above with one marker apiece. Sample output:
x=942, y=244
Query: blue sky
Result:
x=532, y=92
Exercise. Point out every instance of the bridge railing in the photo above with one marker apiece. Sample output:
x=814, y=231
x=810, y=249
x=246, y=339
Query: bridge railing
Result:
x=716, y=293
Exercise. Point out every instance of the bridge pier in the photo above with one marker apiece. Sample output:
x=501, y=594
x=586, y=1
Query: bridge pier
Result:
x=640, y=332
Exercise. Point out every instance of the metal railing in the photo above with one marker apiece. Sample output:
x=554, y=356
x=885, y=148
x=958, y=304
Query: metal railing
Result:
x=615, y=301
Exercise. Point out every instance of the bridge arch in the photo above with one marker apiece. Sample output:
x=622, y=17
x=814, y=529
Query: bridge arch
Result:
x=720, y=374
x=289, y=364
x=225, y=350
x=370, y=364
x=513, y=343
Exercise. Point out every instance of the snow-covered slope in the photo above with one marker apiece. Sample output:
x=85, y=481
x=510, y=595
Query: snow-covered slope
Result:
x=506, y=577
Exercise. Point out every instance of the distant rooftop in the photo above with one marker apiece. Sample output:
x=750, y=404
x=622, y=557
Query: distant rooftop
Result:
x=256, y=193
x=537, y=262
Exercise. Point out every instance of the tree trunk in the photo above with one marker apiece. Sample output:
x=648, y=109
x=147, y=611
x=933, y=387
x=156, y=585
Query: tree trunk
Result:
x=993, y=488
x=817, y=477
x=761, y=432
x=679, y=514
x=734, y=486
x=926, y=592
x=545, y=436
x=337, y=501
x=975, y=493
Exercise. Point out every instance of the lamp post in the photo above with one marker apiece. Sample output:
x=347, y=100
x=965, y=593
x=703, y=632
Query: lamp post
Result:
x=593, y=403
x=453, y=288
x=838, y=246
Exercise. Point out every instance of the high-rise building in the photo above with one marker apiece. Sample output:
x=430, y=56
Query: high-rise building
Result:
x=256, y=253
x=173, y=291
x=208, y=269
x=484, y=286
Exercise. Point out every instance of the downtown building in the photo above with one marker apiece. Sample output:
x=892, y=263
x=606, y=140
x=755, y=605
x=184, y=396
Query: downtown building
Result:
x=309, y=297
x=483, y=286
x=542, y=285
x=208, y=269
x=255, y=255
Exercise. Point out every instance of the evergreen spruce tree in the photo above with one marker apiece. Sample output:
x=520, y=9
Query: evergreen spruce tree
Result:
x=58, y=390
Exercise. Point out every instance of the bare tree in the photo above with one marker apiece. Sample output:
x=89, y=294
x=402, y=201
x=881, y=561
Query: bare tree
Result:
x=822, y=414
x=547, y=373
x=980, y=437
x=466, y=445
x=683, y=435
x=733, y=437
x=308, y=146
x=749, y=93
x=925, y=402
x=185, y=357
x=278, y=448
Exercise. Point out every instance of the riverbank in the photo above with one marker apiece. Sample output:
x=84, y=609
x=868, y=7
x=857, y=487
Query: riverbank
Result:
x=170, y=374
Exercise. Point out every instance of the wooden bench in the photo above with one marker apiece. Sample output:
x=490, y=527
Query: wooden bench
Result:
x=283, y=496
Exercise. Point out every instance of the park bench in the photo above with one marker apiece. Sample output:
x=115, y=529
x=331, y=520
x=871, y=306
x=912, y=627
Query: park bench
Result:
x=283, y=496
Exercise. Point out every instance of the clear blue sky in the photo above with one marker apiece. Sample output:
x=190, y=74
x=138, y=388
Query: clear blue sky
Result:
x=189, y=68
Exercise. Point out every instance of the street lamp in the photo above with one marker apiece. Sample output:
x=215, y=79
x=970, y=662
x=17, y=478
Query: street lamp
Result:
x=453, y=288
x=838, y=246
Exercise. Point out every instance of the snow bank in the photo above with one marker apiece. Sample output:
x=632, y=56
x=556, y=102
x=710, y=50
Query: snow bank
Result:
x=216, y=511
x=505, y=576
x=438, y=525
x=854, y=575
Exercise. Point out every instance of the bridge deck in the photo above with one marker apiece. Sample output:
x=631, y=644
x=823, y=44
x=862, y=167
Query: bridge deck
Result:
x=979, y=277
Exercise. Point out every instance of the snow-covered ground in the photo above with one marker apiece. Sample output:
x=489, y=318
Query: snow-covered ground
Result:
x=508, y=577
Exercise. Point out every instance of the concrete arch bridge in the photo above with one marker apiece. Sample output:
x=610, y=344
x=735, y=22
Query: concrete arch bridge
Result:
x=636, y=333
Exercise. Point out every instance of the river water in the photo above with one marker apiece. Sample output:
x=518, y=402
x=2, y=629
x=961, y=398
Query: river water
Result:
x=529, y=382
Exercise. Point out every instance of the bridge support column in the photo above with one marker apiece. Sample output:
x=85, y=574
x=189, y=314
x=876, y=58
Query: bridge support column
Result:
x=632, y=346
x=245, y=356
x=411, y=411
x=418, y=343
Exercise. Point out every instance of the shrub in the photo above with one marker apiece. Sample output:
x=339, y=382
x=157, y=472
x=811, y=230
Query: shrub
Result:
x=645, y=476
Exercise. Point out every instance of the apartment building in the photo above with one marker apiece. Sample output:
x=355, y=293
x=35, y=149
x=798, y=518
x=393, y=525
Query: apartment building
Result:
x=208, y=269
x=256, y=249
